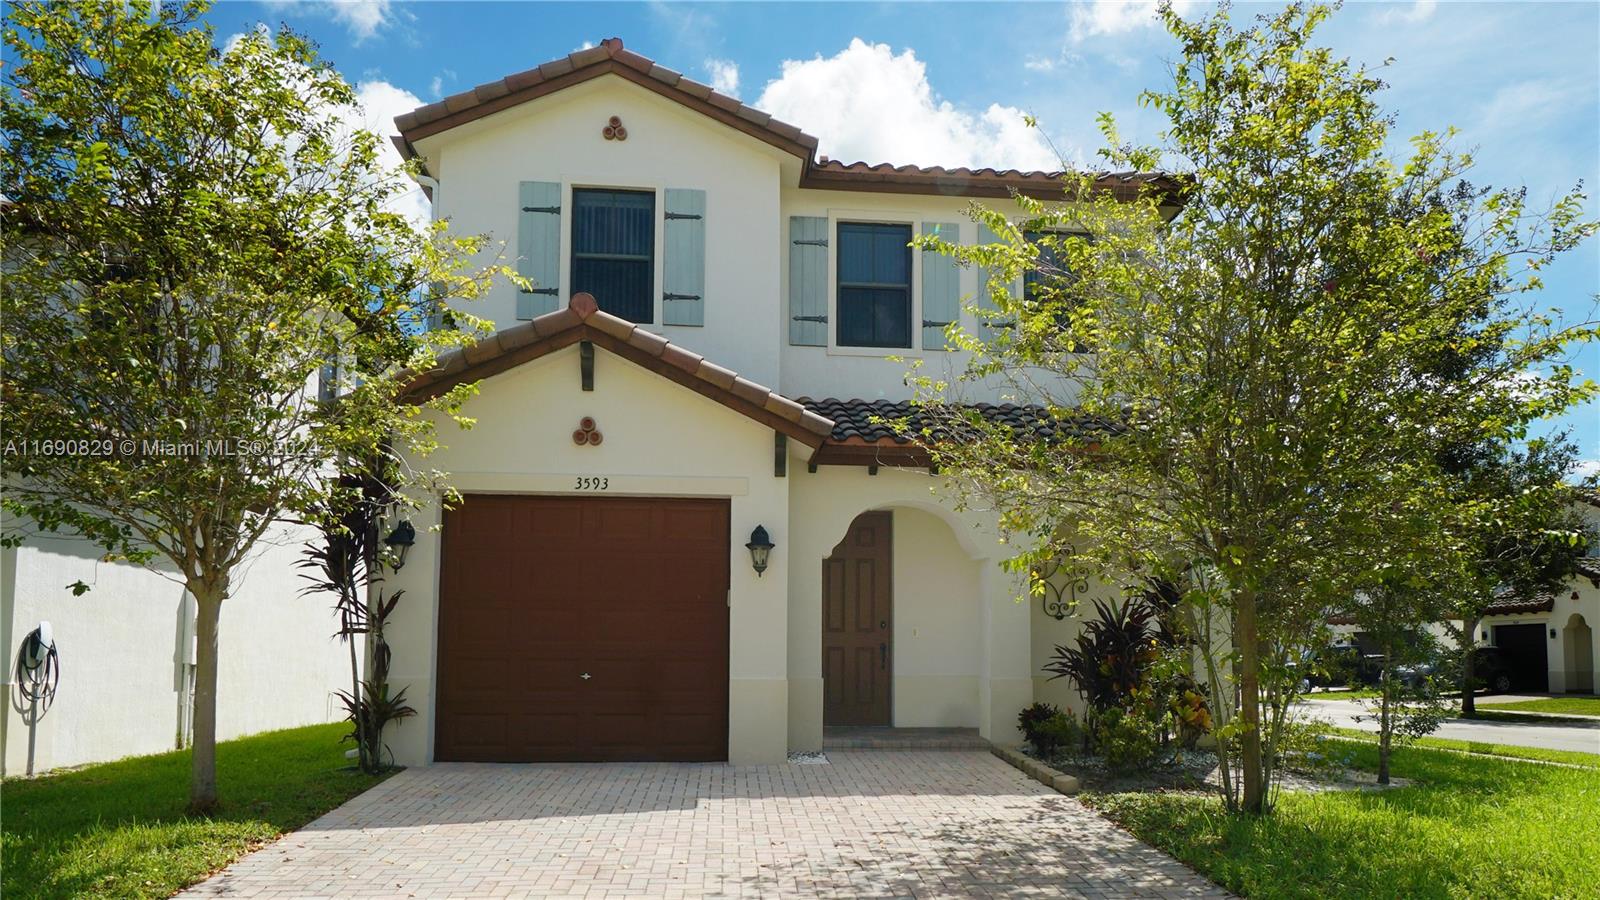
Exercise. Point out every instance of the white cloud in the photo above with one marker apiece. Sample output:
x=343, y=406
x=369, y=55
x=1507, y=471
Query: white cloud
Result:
x=377, y=104
x=1039, y=64
x=586, y=45
x=1522, y=105
x=1111, y=17
x=436, y=87
x=363, y=18
x=1586, y=468
x=1407, y=14
x=866, y=103
x=724, y=76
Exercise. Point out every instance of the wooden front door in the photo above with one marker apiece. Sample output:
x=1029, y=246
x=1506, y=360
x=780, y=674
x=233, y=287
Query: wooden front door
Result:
x=857, y=603
x=583, y=628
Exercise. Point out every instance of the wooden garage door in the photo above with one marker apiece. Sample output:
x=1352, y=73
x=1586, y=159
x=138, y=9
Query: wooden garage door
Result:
x=582, y=628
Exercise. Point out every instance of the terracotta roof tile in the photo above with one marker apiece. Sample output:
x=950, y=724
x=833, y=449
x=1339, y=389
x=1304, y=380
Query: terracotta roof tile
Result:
x=526, y=341
x=554, y=68
x=717, y=375
x=854, y=420
x=674, y=355
x=1508, y=604
x=648, y=341
x=662, y=73
x=491, y=90
x=820, y=173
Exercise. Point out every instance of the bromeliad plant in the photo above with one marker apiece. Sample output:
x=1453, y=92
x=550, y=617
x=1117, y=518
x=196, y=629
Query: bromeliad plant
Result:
x=1129, y=663
x=346, y=561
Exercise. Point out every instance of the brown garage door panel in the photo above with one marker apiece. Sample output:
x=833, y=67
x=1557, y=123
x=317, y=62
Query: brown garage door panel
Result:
x=536, y=592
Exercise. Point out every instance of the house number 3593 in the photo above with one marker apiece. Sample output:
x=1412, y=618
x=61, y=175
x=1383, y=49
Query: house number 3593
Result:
x=591, y=483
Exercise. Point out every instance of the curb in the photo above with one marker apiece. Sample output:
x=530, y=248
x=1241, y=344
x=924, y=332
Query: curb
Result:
x=1060, y=782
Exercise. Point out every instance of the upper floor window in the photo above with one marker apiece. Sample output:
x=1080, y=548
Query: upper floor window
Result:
x=874, y=296
x=1052, y=263
x=613, y=250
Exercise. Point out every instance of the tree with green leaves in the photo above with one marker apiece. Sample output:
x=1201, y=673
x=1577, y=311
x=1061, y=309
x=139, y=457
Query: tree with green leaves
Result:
x=1244, y=372
x=193, y=237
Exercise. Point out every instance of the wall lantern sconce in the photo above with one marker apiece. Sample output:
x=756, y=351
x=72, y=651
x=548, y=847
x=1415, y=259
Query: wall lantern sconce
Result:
x=1552, y=634
x=760, y=548
x=400, y=541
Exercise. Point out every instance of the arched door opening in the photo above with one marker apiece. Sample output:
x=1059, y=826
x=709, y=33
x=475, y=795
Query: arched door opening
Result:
x=857, y=632
x=1578, y=642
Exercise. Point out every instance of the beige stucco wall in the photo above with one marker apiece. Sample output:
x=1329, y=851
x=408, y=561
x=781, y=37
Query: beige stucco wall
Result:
x=938, y=661
x=122, y=649
x=661, y=439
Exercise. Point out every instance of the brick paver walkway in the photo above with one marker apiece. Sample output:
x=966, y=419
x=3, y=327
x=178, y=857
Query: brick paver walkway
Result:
x=870, y=824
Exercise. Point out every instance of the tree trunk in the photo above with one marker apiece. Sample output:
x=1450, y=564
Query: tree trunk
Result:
x=203, y=772
x=1469, y=642
x=1385, y=722
x=1247, y=642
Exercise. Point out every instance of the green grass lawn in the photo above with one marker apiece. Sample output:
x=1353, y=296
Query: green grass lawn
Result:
x=1570, y=706
x=119, y=829
x=1568, y=757
x=1466, y=827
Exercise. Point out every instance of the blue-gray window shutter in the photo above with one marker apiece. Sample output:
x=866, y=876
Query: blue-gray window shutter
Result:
x=539, y=246
x=941, y=287
x=684, y=276
x=984, y=303
x=808, y=281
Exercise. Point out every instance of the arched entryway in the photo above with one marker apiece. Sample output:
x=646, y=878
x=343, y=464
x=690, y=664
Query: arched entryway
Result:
x=857, y=609
x=1578, y=644
x=902, y=630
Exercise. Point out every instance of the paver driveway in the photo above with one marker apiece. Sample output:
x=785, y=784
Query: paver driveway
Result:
x=872, y=823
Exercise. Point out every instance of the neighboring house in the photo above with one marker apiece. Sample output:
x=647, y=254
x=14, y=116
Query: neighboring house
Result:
x=1552, y=641
x=126, y=652
x=1549, y=643
x=593, y=597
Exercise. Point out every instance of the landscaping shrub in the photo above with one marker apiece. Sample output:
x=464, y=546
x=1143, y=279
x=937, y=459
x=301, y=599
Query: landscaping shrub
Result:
x=1132, y=668
x=1129, y=739
x=1031, y=723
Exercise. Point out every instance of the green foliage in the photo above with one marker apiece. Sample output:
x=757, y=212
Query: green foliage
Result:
x=198, y=234
x=1467, y=826
x=1049, y=730
x=1481, y=748
x=1576, y=706
x=1278, y=350
x=119, y=829
x=1130, y=739
x=193, y=235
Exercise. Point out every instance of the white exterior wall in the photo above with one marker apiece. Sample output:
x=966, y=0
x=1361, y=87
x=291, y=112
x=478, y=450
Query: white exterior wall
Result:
x=661, y=440
x=558, y=139
x=122, y=647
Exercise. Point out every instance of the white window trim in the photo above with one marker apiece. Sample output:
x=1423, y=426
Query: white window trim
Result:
x=883, y=217
x=658, y=275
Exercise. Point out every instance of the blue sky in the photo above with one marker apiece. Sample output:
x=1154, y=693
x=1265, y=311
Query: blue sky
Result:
x=947, y=83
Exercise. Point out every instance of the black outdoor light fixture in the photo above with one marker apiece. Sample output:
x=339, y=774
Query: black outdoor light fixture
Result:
x=760, y=548
x=400, y=541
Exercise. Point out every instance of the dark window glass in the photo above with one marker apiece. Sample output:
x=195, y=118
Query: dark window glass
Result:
x=1052, y=263
x=1051, y=271
x=613, y=250
x=874, y=285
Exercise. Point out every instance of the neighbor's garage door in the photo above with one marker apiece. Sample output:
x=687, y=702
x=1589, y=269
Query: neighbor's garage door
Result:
x=581, y=628
x=1524, y=649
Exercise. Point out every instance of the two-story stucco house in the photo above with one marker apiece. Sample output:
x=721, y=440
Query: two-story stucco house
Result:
x=709, y=333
